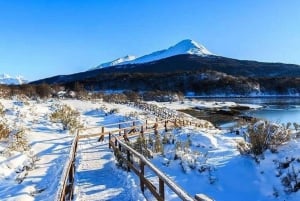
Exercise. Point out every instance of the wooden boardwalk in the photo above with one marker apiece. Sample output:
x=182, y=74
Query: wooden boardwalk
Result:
x=95, y=178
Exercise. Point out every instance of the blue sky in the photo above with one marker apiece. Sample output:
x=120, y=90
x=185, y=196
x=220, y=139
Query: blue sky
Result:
x=43, y=38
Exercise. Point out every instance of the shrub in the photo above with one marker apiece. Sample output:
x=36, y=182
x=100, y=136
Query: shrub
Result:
x=296, y=126
x=140, y=145
x=2, y=110
x=18, y=141
x=158, y=146
x=68, y=117
x=263, y=135
x=4, y=131
x=291, y=180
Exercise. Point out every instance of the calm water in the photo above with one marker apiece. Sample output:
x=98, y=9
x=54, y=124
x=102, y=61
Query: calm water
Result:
x=280, y=110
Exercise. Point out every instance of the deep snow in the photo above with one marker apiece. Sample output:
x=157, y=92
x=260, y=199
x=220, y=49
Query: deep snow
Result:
x=211, y=165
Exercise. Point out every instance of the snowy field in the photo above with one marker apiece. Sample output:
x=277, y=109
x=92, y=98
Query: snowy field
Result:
x=203, y=161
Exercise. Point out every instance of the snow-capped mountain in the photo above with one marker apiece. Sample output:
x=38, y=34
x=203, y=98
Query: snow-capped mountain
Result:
x=183, y=47
x=7, y=79
x=118, y=61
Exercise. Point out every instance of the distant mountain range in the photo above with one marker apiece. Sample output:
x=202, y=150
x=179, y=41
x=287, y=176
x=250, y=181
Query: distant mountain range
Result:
x=188, y=66
x=9, y=80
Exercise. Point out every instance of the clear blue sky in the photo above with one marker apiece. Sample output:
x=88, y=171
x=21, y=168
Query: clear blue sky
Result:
x=42, y=38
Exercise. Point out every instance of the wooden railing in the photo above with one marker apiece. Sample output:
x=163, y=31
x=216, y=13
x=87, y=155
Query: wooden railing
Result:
x=66, y=184
x=139, y=170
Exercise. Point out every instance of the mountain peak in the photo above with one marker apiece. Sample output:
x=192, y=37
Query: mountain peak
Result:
x=189, y=46
x=9, y=80
x=186, y=46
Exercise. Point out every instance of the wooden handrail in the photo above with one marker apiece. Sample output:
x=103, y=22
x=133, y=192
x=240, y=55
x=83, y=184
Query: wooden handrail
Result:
x=163, y=178
x=66, y=183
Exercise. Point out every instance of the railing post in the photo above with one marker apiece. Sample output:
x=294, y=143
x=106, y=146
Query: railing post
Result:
x=72, y=185
x=142, y=131
x=120, y=130
x=166, y=126
x=120, y=147
x=128, y=160
x=161, y=189
x=102, y=129
x=142, y=167
x=109, y=139
x=146, y=124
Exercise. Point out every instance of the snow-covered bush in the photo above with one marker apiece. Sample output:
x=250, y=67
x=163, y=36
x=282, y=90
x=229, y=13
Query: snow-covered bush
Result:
x=18, y=141
x=140, y=145
x=158, y=146
x=243, y=146
x=263, y=135
x=4, y=130
x=168, y=138
x=2, y=110
x=296, y=126
x=68, y=117
x=291, y=180
x=114, y=111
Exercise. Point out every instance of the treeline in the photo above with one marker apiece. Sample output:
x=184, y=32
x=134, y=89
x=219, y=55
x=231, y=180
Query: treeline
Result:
x=201, y=82
x=158, y=86
x=79, y=91
x=39, y=90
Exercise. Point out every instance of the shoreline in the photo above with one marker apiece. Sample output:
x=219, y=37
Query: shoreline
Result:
x=245, y=97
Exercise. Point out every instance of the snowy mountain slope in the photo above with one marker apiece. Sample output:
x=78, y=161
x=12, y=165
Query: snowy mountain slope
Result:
x=115, y=62
x=7, y=79
x=183, y=47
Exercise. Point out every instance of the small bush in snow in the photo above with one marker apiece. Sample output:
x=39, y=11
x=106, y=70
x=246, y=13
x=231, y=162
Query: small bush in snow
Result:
x=68, y=117
x=113, y=111
x=263, y=135
x=18, y=141
x=296, y=126
x=243, y=147
x=2, y=110
x=291, y=181
x=158, y=146
x=140, y=146
x=168, y=138
x=4, y=130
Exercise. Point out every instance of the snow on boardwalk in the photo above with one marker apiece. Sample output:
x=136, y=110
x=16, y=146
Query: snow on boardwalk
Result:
x=97, y=177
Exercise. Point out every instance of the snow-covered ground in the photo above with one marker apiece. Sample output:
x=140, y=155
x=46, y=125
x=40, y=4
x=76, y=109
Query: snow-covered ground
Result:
x=194, y=103
x=208, y=161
